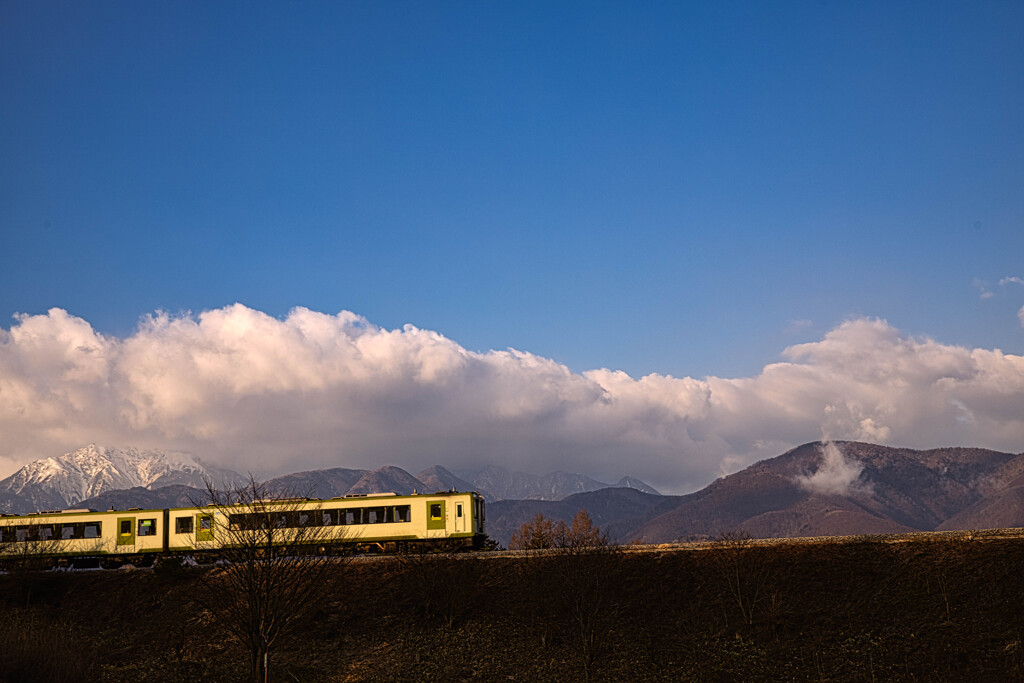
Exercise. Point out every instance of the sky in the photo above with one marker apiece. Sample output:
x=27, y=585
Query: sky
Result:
x=661, y=240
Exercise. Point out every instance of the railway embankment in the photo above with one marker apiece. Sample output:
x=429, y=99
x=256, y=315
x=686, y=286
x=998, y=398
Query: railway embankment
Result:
x=914, y=607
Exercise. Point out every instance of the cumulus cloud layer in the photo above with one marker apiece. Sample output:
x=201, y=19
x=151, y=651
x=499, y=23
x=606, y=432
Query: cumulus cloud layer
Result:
x=253, y=392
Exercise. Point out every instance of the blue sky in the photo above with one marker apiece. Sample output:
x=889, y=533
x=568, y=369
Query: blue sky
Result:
x=676, y=188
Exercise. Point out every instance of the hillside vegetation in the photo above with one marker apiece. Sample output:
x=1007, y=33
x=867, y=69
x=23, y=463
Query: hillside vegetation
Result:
x=928, y=609
x=840, y=488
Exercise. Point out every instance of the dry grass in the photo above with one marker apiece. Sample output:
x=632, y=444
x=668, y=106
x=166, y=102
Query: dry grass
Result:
x=930, y=611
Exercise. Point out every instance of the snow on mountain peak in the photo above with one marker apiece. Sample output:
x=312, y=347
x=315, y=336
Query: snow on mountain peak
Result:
x=93, y=469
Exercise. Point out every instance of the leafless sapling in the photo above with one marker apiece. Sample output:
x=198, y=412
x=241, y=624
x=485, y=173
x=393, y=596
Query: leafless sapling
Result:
x=275, y=558
x=745, y=572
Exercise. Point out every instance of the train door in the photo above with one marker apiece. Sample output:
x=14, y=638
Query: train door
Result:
x=126, y=532
x=461, y=515
x=204, y=526
x=436, y=520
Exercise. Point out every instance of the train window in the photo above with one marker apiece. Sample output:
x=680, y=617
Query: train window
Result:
x=205, y=522
x=22, y=533
x=403, y=513
x=435, y=511
x=126, y=527
x=458, y=510
x=183, y=525
x=354, y=516
x=45, y=533
x=67, y=532
x=147, y=527
x=374, y=515
x=252, y=521
x=328, y=517
x=303, y=519
x=92, y=529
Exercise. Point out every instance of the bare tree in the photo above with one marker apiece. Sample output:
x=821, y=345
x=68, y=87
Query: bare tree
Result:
x=590, y=574
x=275, y=558
x=543, y=532
x=444, y=587
x=537, y=534
x=745, y=570
x=581, y=534
x=575, y=582
x=29, y=547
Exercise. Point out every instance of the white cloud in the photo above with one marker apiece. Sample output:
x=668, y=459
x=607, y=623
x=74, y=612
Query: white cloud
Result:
x=835, y=474
x=253, y=392
x=1011, y=280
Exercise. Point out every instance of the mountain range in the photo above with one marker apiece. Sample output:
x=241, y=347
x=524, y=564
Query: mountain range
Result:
x=101, y=477
x=63, y=481
x=817, y=489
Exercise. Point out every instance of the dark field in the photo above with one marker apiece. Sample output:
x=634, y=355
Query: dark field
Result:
x=923, y=610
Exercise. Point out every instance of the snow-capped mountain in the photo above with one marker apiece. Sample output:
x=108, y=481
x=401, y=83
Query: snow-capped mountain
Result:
x=63, y=481
x=129, y=477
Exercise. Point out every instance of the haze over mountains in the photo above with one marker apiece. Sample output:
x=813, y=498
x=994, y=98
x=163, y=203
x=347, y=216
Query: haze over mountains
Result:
x=100, y=477
x=817, y=489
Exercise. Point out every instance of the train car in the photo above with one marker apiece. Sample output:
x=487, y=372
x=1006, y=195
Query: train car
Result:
x=383, y=522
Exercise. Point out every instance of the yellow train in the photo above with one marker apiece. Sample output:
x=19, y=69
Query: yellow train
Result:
x=380, y=522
